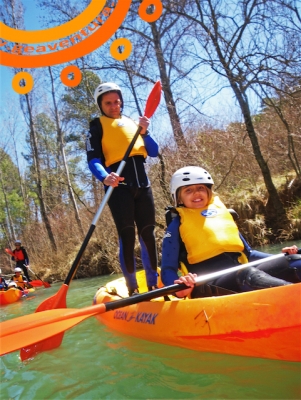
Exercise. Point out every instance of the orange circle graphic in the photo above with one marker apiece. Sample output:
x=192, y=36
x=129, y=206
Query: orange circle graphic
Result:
x=77, y=76
x=58, y=32
x=155, y=15
x=75, y=51
x=28, y=82
x=115, y=52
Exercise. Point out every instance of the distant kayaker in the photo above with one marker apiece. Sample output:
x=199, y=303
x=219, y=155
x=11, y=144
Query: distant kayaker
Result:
x=206, y=239
x=20, y=280
x=3, y=284
x=131, y=202
x=19, y=254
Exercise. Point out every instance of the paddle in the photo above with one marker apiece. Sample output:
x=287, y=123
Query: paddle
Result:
x=8, y=251
x=46, y=284
x=30, y=329
x=36, y=283
x=59, y=299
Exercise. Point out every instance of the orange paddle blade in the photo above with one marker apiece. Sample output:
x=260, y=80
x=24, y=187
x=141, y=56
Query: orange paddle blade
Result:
x=58, y=300
x=153, y=100
x=39, y=282
x=46, y=284
x=36, y=283
x=8, y=251
x=45, y=345
x=30, y=329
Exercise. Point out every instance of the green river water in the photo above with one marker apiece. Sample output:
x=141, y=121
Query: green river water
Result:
x=94, y=362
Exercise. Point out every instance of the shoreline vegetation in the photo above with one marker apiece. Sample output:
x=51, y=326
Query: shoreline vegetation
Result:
x=101, y=255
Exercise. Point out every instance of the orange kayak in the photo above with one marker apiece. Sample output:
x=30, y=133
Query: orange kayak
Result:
x=12, y=295
x=263, y=323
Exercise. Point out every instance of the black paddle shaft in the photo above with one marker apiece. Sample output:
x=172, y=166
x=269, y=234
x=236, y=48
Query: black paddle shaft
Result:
x=113, y=305
x=76, y=262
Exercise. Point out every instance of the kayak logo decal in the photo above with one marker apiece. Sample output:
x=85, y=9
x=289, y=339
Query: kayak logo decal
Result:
x=140, y=317
x=72, y=40
x=209, y=213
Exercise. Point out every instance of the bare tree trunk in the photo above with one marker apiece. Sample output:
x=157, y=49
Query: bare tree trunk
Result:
x=11, y=229
x=170, y=103
x=62, y=150
x=275, y=214
x=40, y=191
x=228, y=54
x=290, y=139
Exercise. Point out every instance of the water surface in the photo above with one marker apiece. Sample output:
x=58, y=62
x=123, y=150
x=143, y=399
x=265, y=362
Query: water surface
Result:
x=96, y=363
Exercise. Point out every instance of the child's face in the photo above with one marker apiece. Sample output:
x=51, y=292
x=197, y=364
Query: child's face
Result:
x=194, y=196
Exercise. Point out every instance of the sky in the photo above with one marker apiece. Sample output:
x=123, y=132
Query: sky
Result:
x=31, y=20
x=8, y=95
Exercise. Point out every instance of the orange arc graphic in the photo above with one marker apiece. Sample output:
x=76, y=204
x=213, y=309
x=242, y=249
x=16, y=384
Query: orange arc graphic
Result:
x=78, y=50
x=58, y=32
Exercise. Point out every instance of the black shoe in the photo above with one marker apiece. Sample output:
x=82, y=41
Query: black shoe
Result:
x=150, y=288
x=133, y=292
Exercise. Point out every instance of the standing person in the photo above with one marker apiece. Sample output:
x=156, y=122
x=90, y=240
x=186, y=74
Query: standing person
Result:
x=21, y=258
x=131, y=202
x=207, y=236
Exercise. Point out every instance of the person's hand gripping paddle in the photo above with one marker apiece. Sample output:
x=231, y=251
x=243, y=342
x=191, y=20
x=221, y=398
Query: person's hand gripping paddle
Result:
x=59, y=299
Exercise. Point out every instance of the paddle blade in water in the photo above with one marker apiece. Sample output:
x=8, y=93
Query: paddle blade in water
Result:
x=30, y=351
x=36, y=283
x=153, y=100
x=56, y=301
x=46, y=284
x=32, y=329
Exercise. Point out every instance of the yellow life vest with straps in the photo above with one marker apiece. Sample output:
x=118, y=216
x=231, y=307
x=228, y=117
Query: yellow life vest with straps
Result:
x=19, y=281
x=209, y=231
x=116, y=138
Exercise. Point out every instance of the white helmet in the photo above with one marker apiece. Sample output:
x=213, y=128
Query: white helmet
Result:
x=17, y=241
x=17, y=269
x=12, y=284
x=189, y=176
x=105, y=88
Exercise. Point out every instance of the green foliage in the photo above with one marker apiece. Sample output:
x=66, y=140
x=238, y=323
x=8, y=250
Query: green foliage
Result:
x=79, y=106
x=12, y=206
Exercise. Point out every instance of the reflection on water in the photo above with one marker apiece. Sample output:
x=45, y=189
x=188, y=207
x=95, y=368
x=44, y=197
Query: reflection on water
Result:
x=96, y=363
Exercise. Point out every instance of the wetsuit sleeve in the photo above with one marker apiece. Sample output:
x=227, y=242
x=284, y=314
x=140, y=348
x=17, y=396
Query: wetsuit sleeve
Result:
x=170, y=253
x=95, y=155
x=150, y=145
x=97, y=169
x=93, y=143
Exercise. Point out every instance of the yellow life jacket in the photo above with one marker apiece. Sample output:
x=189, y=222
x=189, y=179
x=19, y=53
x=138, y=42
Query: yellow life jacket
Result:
x=209, y=231
x=117, y=135
x=19, y=281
